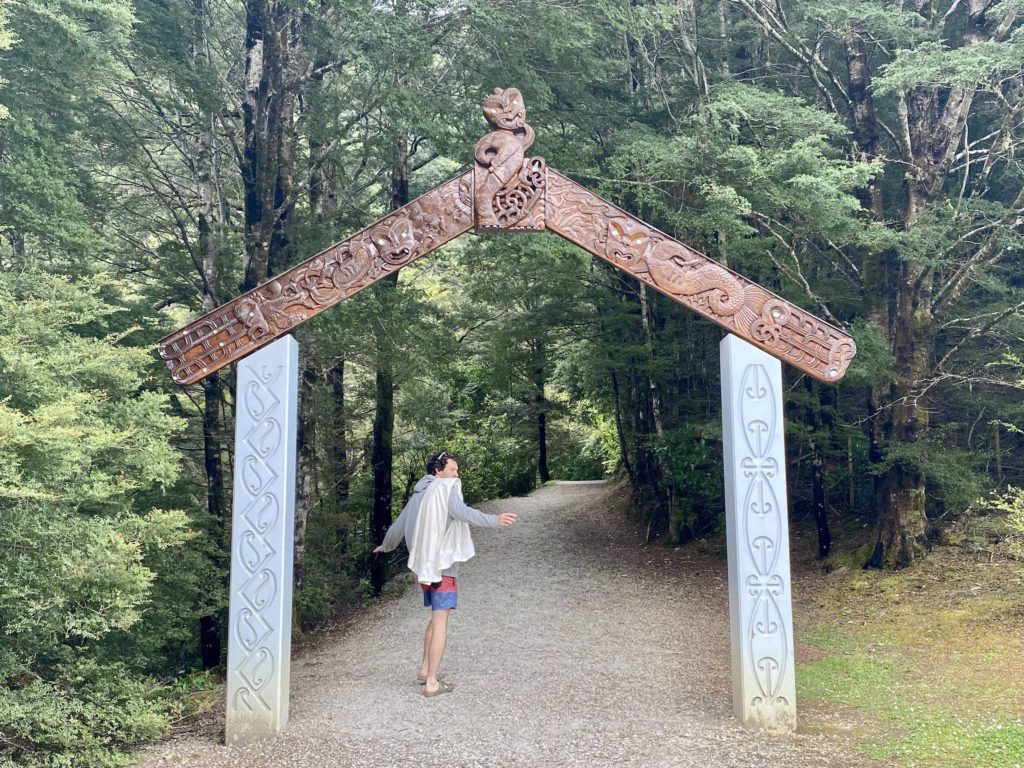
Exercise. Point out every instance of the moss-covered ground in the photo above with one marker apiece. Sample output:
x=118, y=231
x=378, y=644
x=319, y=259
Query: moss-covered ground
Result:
x=930, y=659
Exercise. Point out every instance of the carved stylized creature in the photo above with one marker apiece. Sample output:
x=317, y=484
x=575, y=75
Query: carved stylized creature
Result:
x=313, y=280
x=354, y=261
x=279, y=300
x=673, y=268
x=395, y=240
x=252, y=318
x=627, y=242
x=501, y=152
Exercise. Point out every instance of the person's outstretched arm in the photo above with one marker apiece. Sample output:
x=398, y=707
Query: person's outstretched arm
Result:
x=458, y=509
x=394, y=535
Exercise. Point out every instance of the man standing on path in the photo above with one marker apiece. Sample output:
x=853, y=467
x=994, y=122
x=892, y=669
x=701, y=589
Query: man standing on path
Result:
x=435, y=525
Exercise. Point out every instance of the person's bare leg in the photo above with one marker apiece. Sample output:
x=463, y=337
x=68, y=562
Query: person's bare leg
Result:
x=422, y=673
x=438, y=639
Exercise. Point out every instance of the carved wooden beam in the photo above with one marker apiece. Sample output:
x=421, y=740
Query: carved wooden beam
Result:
x=741, y=307
x=507, y=191
x=256, y=318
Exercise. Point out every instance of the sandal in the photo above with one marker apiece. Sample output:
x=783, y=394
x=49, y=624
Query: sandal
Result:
x=441, y=688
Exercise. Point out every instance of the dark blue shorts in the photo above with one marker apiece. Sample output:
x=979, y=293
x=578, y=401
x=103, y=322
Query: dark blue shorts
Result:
x=442, y=596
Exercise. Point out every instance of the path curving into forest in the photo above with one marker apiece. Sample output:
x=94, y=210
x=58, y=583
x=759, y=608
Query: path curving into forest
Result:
x=573, y=645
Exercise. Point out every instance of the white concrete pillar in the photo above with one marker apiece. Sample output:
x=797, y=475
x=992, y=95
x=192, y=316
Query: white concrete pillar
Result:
x=262, y=535
x=757, y=533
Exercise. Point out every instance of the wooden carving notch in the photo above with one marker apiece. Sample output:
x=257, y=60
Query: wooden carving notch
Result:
x=508, y=192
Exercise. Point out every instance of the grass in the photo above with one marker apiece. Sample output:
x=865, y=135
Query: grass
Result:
x=931, y=656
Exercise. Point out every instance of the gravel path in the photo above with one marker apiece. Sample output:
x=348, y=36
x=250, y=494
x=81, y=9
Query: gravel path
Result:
x=573, y=645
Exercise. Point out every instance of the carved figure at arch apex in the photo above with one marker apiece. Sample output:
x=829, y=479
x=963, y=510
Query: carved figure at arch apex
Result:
x=507, y=191
x=508, y=187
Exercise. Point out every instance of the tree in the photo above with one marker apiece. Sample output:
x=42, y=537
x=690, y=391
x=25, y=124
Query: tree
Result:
x=84, y=444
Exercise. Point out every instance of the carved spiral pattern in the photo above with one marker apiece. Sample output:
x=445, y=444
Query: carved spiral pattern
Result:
x=520, y=205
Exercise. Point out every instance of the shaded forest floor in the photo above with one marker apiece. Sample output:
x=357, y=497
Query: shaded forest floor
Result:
x=576, y=644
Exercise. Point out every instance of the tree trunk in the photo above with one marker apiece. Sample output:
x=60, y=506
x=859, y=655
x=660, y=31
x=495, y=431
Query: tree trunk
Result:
x=382, y=458
x=279, y=254
x=900, y=531
x=865, y=123
x=818, y=503
x=339, y=454
x=815, y=423
x=267, y=120
x=384, y=417
x=688, y=37
x=305, y=467
x=932, y=130
x=900, y=492
x=620, y=431
x=645, y=315
x=210, y=631
x=208, y=222
x=540, y=403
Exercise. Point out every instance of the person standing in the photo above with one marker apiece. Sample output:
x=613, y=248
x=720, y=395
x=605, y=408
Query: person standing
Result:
x=435, y=525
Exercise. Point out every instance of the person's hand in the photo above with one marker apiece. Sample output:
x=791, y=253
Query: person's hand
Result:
x=506, y=519
x=376, y=551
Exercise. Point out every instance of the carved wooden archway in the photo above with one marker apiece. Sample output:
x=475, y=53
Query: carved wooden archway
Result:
x=507, y=192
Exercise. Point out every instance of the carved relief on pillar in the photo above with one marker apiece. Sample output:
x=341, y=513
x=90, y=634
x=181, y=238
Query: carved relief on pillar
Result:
x=762, y=527
x=262, y=543
x=265, y=313
x=508, y=187
x=696, y=281
x=260, y=508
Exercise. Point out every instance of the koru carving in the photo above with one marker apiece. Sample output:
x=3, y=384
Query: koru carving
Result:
x=508, y=191
x=508, y=187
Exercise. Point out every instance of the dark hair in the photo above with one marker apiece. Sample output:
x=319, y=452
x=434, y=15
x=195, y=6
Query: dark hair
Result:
x=439, y=461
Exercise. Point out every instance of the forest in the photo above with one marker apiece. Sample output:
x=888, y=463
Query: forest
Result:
x=158, y=158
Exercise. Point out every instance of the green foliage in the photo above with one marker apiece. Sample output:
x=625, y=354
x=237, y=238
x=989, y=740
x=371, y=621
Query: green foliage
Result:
x=760, y=117
x=84, y=713
x=994, y=524
x=82, y=443
x=933, y=65
x=695, y=507
x=953, y=472
x=884, y=21
x=497, y=463
x=57, y=59
x=584, y=445
x=1011, y=503
x=874, y=364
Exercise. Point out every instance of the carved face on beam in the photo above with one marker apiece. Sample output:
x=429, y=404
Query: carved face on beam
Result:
x=627, y=244
x=395, y=240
